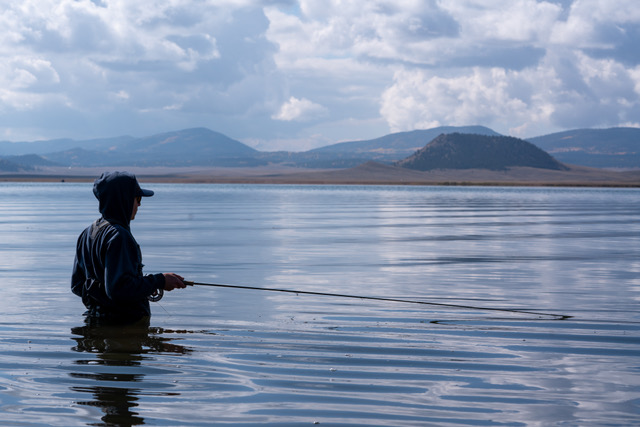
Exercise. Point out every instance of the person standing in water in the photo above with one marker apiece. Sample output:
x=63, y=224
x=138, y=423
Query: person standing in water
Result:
x=107, y=270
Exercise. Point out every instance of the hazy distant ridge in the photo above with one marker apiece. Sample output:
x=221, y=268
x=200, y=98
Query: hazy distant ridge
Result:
x=198, y=146
x=616, y=147
x=401, y=144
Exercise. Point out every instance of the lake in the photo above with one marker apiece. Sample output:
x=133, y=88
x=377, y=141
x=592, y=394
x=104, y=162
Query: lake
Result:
x=531, y=314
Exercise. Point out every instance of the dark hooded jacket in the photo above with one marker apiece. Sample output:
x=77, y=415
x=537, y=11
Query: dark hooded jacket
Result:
x=107, y=271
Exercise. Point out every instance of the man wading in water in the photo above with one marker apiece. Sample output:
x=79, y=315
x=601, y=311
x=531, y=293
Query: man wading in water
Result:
x=107, y=271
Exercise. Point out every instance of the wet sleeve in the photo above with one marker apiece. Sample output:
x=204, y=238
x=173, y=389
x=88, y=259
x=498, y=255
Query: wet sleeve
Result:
x=78, y=277
x=122, y=274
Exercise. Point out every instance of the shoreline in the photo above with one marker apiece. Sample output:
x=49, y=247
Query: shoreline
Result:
x=367, y=174
x=267, y=181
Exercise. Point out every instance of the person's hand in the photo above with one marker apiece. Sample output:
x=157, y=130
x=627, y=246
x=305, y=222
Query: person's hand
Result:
x=173, y=281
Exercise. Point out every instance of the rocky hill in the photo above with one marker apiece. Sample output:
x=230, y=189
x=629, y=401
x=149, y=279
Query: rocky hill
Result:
x=467, y=151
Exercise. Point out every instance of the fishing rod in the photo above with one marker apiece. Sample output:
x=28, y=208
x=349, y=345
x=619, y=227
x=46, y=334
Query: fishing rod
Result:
x=362, y=297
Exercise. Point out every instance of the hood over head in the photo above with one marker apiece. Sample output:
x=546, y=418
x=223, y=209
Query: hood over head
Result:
x=116, y=192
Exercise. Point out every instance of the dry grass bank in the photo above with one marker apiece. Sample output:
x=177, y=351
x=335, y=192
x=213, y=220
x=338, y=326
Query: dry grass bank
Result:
x=366, y=174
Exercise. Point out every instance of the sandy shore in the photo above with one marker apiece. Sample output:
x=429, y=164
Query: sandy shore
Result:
x=367, y=174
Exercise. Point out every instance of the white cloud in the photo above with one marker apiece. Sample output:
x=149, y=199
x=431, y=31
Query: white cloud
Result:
x=82, y=68
x=121, y=95
x=590, y=92
x=299, y=110
x=382, y=30
x=592, y=23
x=166, y=56
x=508, y=20
x=418, y=100
x=26, y=82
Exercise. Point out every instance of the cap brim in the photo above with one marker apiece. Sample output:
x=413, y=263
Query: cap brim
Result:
x=145, y=193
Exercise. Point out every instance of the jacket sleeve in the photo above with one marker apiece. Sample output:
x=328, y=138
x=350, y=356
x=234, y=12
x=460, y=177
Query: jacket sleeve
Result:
x=78, y=277
x=123, y=277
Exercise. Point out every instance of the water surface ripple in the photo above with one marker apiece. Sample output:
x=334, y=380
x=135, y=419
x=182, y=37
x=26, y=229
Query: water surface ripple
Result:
x=216, y=356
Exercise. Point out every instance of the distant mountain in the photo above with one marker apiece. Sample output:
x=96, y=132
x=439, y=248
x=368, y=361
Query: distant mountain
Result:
x=37, y=147
x=617, y=147
x=84, y=157
x=26, y=162
x=188, y=147
x=603, y=148
x=204, y=147
x=467, y=151
x=54, y=145
x=198, y=146
x=30, y=160
x=386, y=149
x=396, y=146
x=9, y=166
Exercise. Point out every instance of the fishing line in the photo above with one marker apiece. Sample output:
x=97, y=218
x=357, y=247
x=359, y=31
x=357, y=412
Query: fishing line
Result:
x=165, y=310
x=406, y=301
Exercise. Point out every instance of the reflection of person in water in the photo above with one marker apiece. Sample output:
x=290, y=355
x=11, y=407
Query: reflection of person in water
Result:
x=113, y=379
x=107, y=272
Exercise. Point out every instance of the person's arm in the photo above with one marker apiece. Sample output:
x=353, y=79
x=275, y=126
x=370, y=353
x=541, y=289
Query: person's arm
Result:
x=122, y=276
x=78, y=277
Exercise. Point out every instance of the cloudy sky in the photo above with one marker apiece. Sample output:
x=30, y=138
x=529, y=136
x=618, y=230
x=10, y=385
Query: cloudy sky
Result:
x=285, y=74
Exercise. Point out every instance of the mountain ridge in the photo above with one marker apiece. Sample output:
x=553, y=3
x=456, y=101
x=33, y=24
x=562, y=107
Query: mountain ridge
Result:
x=612, y=148
x=409, y=140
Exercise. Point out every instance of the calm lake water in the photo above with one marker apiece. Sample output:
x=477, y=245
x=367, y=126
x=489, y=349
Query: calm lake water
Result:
x=216, y=356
